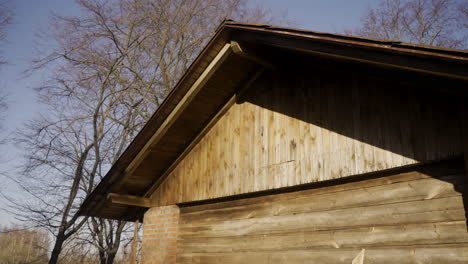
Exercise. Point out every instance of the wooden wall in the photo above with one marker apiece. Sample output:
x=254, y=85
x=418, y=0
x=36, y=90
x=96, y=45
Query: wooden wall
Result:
x=416, y=216
x=314, y=125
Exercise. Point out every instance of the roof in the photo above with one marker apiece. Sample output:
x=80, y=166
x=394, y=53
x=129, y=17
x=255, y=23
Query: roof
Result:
x=219, y=72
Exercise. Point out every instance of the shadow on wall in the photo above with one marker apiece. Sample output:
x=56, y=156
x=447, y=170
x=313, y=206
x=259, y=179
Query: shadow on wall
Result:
x=417, y=122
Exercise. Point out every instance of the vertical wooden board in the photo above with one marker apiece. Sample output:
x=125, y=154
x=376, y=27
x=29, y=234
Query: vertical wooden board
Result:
x=257, y=149
x=210, y=164
x=164, y=196
x=181, y=183
x=278, y=136
x=253, y=147
x=218, y=157
x=189, y=177
x=392, y=126
x=227, y=150
x=265, y=147
x=303, y=162
x=377, y=102
x=197, y=173
x=427, y=115
x=285, y=146
x=366, y=110
x=246, y=142
x=227, y=132
x=455, y=115
x=333, y=153
x=406, y=131
x=418, y=130
x=206, y=178
x=171, y=191
x=294, y=101
x=156, y=196
x=315, y=156
x=174, y=180
x=235, y=149
x=168, y=192
x=271, y=137
x=326, y=133
x=243, y=146
x=386, y=125
x=357, y=125
x=302, y=133
x=442, y=121
x=344, y=125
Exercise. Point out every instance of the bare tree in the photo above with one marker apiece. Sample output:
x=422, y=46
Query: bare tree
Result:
x=3, y=108
x=6, y=17
x=431, y=22
x=111, y=69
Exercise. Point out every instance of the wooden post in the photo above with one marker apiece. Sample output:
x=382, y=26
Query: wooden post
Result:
x=129, y=200
x=133, y=254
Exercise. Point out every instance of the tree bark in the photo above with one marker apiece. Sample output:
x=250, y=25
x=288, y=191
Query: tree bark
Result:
x=57, y=248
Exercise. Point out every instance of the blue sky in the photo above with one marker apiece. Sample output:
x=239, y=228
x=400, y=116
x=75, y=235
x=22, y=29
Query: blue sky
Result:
x=33, y=16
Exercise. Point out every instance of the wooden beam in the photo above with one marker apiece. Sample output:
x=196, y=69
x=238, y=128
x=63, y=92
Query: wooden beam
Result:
x=133, y=254
x=241, y=92
x=250, y=55
x=129, y=200
x=176, y=112
x=379, y=55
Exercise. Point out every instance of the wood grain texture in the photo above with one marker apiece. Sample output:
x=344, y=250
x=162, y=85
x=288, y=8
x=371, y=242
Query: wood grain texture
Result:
x=294, y=128
x=412, y=217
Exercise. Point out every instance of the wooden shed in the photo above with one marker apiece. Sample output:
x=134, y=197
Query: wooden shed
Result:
x=280, y=145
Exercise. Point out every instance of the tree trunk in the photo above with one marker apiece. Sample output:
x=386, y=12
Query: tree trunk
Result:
x=111, y=257
x=102, y=257
x=57, y=248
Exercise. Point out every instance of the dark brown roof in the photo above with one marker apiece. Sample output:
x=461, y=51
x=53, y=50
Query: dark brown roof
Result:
x=235, y=70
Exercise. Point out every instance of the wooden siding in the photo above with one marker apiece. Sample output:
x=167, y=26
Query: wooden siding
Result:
x=416, y=216
x=294, y=128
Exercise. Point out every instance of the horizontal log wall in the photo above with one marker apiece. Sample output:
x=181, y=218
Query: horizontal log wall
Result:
x=413, y=217
x=293, y=128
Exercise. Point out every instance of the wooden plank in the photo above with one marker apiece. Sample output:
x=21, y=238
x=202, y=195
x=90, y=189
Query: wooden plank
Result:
x=440, y=170
x=314, y=154
x=357, y=130
x=364, y=237
x=133, y=254
x=251, y=55
x=374, y=57
x=308, y=201
x=413, y=212
x=423, y=254
x=129, y=200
